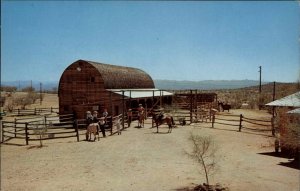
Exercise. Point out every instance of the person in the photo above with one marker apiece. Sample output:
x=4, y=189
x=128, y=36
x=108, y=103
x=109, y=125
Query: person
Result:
x=102, y=126
x=105, y=113
x=140, y=109
x=129, y=117
x=89, y=118
x=95, y=119
x=118, y=125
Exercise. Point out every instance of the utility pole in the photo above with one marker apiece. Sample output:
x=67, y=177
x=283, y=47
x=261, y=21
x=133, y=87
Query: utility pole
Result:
x=41, y=93
x=259, y=79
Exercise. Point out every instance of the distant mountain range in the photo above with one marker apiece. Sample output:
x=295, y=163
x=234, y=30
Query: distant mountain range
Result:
x=205, y=85
x=160, y=84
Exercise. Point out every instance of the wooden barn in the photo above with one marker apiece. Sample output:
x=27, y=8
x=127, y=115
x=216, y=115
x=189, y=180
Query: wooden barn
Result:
x=91, y=86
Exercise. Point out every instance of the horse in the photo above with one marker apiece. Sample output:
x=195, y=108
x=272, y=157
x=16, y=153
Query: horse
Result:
x=224, y=106
x=141, y=118
x=92, y=128
x=160, y=119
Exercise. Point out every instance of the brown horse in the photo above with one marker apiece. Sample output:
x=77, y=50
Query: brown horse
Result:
x=160, y=119
x=92, y=128
x=141, y=118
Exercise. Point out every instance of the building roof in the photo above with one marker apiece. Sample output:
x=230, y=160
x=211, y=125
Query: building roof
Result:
x=121, y=76
x=288, y=101
x=295, y=111
x=141, y=93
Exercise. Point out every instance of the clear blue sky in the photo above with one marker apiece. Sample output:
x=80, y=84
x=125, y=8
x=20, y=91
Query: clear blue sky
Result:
x=169, y=40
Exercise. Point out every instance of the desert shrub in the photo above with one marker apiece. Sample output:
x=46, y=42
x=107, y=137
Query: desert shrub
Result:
x=8, y=88
x=28, y=89
x=204, y=152
x=28, y=99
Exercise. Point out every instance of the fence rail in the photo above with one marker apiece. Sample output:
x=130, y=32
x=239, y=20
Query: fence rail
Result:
x=241, y=122
x=39, y=128
x=34, y=111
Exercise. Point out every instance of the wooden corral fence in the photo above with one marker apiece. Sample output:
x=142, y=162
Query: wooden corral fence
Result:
x=39, y=128
x=34, y=111
x=242, y=122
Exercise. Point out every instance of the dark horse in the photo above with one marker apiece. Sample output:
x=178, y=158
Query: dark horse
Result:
x=160, y=119
x=224, y=106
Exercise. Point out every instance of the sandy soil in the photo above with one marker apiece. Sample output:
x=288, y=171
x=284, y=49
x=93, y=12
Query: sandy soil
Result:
x=141, y=159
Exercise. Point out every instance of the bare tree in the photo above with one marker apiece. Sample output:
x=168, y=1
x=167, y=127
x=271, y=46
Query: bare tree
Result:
x=204, y=152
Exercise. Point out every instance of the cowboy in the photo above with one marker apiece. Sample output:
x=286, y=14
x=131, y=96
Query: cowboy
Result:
x=140, y=109
x=102, y=125
x=89, y=118
x=129, y=117
x=95, y=119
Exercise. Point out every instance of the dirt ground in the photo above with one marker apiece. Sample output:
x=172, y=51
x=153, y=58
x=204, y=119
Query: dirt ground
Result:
x=141, y=159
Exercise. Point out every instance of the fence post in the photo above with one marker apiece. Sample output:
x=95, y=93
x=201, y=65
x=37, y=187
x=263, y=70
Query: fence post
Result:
x=123, y=112
x=273, y=126
x=18, y=111
x=76, y=129
x=111, y=125
x=2, y=131
x=15, y=127
x=191, y=106
x=241, y=119
x=26, y=133
x=213, y=121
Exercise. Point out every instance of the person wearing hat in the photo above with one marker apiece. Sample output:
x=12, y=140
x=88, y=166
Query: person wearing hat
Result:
x=89, y=118
x=95, y=117
x=129, y=117
x=141, y=109
x=102, y=125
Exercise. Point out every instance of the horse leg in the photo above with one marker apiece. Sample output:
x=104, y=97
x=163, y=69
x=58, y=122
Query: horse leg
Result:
x=157, y=127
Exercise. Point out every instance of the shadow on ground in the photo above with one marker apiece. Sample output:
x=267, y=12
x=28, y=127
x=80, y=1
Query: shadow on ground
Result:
x=293, y=163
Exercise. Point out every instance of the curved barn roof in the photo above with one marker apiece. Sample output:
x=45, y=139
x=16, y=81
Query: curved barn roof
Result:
x=122, y=77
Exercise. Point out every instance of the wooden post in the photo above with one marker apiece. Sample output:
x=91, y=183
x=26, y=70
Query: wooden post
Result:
x=152, y=106
x=111, y=125
x=241, y=119
x=273, y=108
x=196, y=104
x=191, y=106
x=273, y=125
x=213, y=121
x=2, y=131
x=15, y=127
x=26, y=133
x=160, y=102
x=76, y=129
x=123, y=113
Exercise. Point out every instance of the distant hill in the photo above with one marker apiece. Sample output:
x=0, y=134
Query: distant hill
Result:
x=205, y=85
x=160, y=84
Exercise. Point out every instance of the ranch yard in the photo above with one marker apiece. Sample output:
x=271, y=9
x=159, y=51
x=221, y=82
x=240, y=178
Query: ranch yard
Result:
x=141, y=159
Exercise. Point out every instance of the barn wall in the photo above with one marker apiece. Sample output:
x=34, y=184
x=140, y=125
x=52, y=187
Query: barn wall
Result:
x=82, y=87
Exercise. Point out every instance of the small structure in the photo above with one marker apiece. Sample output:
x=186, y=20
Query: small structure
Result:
x=292, y=101
x=87, y=85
